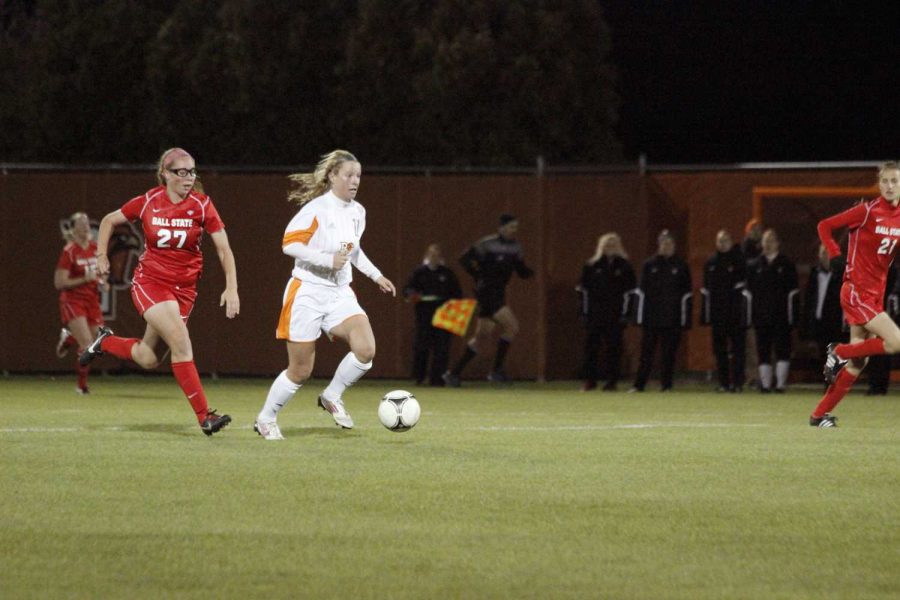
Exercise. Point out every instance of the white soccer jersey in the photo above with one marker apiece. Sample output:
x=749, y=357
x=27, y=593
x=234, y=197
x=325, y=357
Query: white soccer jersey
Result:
x=325, y=226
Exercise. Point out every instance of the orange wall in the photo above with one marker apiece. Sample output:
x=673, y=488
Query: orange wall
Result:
x=561, y=218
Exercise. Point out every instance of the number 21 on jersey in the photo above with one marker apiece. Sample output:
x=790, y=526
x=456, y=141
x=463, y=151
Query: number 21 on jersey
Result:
x=887, y=246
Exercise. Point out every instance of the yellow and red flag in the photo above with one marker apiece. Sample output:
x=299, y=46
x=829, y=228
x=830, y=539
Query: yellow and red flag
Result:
x=455, y=315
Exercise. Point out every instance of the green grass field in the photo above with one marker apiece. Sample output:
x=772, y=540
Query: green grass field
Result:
x=531, y=491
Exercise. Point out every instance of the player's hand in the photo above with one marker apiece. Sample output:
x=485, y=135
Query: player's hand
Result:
x=339, y=260
x=103, y=284
x=90, y=274
x=386, y=286
x=102, y=266
x=231, y=302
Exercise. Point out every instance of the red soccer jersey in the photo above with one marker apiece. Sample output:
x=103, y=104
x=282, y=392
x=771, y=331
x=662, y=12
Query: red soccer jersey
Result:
x=172, y=234
x=76, y=260
x=874, y=232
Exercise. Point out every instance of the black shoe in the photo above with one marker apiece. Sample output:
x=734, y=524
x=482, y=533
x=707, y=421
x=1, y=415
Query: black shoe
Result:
x=824, y=421
x=833, y=364
x=779, y=390
x=451, y=379
x=610, y=386
x=213, y=422
x=93, y=350
x=765, y=390
x=498, y=376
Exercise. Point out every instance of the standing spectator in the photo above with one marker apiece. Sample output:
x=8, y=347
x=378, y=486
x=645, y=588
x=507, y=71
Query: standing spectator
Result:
x=429, y=286
x=879, y=367
x=772, y=279
x=491, y=261
x=724, y=284
x=605, y=280
x=664, y=309
x=76, y=279
x=174, y=217
x=752, y=244
x=324, y=240
x=871, y=248
x=823, y=319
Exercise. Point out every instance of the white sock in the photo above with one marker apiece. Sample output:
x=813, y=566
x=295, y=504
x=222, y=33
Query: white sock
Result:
x=765, y=376
x=782, y=368
x=282, y=390
x=348, y=372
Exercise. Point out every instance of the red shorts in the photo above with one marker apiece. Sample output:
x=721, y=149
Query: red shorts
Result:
x=87, y=308
x=146, y=293
x=860, y=306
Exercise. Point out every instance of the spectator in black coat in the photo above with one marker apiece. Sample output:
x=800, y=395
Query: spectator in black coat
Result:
x=605, y=280
x=823, y=318
x=752, y=244
x=429, y=286
x=724, y=284
x=664, y=309
x=772, y=279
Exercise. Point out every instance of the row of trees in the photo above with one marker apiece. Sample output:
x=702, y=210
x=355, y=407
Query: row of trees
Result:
x=398, y=82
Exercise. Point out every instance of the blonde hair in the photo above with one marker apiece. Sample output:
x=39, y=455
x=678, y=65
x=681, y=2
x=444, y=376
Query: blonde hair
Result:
x=166, y=159
x=602, y=241
x=69, y=225
x=888, y=166
x=311, y=185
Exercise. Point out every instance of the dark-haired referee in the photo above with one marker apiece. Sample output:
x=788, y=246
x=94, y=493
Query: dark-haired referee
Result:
x=491, y=261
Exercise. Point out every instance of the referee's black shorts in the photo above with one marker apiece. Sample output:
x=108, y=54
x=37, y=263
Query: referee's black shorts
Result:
x=490, y=301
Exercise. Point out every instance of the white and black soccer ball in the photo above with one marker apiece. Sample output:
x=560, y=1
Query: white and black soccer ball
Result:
x=399, y=410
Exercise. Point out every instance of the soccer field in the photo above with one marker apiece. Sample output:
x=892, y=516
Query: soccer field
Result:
x=529, y=491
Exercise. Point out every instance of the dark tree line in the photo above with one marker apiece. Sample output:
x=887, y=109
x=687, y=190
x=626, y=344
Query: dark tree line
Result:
x=402, y=82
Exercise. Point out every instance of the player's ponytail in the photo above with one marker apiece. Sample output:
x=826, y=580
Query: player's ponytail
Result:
x=311, y=185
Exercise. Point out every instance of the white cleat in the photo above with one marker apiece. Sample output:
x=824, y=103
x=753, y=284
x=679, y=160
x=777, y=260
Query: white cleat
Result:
x=269, y=431
x=337, y=410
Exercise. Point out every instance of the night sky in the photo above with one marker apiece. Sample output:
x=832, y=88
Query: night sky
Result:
x=787, y=81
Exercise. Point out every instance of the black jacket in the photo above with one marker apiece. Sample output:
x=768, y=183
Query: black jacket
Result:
x=831, y=307
x=492, y=261
x=433, y=287
x=603, y=286
x=724, y=282
x=665, y=293
x=776, y=299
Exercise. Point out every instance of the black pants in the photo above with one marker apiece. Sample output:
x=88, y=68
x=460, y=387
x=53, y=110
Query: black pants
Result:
x=769, y=336
x=667, y=338
x=597, y=335
x=434, y=343
x=727, y=337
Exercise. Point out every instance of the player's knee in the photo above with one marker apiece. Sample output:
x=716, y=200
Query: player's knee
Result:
x=365, y=354
x=299, y=373
x=892, y=345
x=144, y=357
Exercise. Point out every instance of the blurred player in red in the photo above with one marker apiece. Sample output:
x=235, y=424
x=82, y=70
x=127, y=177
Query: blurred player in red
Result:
x=77, y=280
x=874, y=228
x=174, y=216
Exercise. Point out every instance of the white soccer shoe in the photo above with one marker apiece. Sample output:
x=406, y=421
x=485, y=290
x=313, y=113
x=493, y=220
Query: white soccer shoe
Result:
x=337, y=410
x=269, y=431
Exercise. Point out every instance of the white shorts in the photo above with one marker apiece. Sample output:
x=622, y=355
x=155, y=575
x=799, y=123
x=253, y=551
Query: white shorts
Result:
x=308, y=309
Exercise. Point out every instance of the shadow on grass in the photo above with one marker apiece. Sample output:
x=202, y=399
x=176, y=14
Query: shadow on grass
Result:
x=165, y=428
x=334, y=432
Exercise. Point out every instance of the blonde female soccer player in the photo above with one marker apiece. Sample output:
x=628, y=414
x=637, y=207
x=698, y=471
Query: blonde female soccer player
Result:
x=173, y=216
x=324, y=240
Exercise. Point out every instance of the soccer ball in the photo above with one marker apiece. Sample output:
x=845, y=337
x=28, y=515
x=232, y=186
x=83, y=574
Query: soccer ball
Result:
x=399, y=410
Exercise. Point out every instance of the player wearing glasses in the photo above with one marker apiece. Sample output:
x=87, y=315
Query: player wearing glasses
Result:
x=173, y=216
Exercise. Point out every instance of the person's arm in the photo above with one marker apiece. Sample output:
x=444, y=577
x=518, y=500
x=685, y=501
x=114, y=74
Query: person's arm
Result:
x=229, y=298
x=367, y=268
x=107, y=224
x=469, y=261
x=522, y=269
x=62, y=281
x=851, y=218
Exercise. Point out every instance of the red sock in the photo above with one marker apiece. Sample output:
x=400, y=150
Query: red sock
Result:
x=189, y=380
x=71, y=341
x=835, y=393
x=82, y=371
x=119, y=346
x=869, y=347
